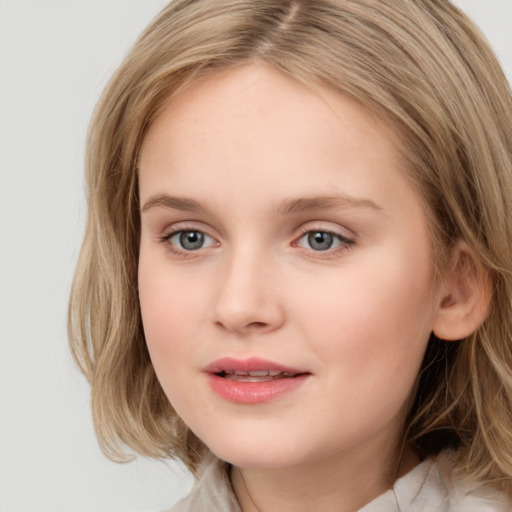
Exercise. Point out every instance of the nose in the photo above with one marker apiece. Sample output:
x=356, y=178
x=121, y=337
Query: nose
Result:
x=248, y=297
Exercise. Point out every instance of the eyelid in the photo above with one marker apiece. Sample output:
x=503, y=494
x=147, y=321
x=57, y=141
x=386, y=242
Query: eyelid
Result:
x=180, y=227
x=176, y=227
x=347, y=240
x=173, y=234
x=327, y=227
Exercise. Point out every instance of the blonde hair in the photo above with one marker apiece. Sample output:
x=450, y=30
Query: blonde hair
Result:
x=421, y=64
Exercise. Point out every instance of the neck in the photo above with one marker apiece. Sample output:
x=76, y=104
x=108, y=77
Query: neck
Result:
x=340, y=484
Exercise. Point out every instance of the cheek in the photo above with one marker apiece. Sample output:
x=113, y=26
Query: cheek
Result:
x=375, y=319
x=170, y=308
x=371, y=346
x=171, y=318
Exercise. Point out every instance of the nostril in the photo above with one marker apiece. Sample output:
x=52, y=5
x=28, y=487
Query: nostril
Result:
x=257, y=325
x=251, y=326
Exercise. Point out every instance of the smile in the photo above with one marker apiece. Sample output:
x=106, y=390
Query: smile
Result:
x=257, y=376
x=253, y=381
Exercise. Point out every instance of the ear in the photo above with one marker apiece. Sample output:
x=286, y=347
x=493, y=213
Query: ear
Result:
x=465, y=295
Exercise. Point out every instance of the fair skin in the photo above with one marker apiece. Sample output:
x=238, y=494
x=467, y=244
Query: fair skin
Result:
x=277, y=224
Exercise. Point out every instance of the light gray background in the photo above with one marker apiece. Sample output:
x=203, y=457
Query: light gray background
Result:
x=55, y=58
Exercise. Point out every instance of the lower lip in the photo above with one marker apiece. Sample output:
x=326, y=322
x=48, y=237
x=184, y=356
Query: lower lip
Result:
x=254, y=392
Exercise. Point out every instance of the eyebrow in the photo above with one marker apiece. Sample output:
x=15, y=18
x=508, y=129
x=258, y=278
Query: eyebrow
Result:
x=172, y=202
x=287, y=207
x=306, y=204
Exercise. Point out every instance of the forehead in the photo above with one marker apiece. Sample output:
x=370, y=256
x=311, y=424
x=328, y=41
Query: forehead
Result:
x=252, y=119
x=259, y=96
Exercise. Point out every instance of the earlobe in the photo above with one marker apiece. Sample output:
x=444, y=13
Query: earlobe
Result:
x=466, y=294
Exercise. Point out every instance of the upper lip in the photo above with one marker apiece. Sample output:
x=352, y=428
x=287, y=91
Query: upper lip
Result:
x=229, y=364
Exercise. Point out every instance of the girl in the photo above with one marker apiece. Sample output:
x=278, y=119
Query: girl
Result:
x=296, y=275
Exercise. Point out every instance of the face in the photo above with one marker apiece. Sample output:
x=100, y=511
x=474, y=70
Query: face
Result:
x=286, y=275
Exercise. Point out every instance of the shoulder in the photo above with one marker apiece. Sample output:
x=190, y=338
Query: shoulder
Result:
x=212, y=490
x=465, y=496
x=437, y=483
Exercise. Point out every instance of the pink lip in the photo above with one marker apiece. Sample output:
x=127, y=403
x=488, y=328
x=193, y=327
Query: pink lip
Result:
x=252, y=392
x=248, y=365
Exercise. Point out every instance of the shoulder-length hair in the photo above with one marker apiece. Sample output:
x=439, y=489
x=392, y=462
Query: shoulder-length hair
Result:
x=423, y=66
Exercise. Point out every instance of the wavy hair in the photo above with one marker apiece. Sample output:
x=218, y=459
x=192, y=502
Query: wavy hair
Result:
x=423, y=66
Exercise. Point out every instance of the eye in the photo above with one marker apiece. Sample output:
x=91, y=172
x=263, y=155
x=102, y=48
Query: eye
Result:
x=189, y=240
x=322, y=240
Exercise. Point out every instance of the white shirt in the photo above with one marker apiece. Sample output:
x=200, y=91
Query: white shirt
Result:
x=432, y=486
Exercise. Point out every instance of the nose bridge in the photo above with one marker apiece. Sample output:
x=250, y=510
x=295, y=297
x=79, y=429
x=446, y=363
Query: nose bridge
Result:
x=246, y=298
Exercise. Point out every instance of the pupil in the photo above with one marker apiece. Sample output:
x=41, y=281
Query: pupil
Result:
x=191, y=240
x=320, y=241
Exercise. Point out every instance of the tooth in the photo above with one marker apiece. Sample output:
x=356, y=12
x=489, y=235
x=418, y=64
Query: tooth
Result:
x=288, y=374
x=274, y=373
x=249, y=378
x=238, y=372
x=262, y=373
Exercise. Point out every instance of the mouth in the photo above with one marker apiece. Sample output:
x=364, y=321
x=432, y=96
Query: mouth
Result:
x=257, y=376
x=253, y=381
x=252, y=370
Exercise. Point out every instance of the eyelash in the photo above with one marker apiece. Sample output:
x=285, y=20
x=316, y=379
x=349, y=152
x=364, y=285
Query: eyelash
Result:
x=344, y=242
x=183, y=253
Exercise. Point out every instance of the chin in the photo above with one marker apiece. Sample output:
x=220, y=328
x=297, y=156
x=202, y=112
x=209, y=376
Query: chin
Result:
x=259, y=460
x=256, y=454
